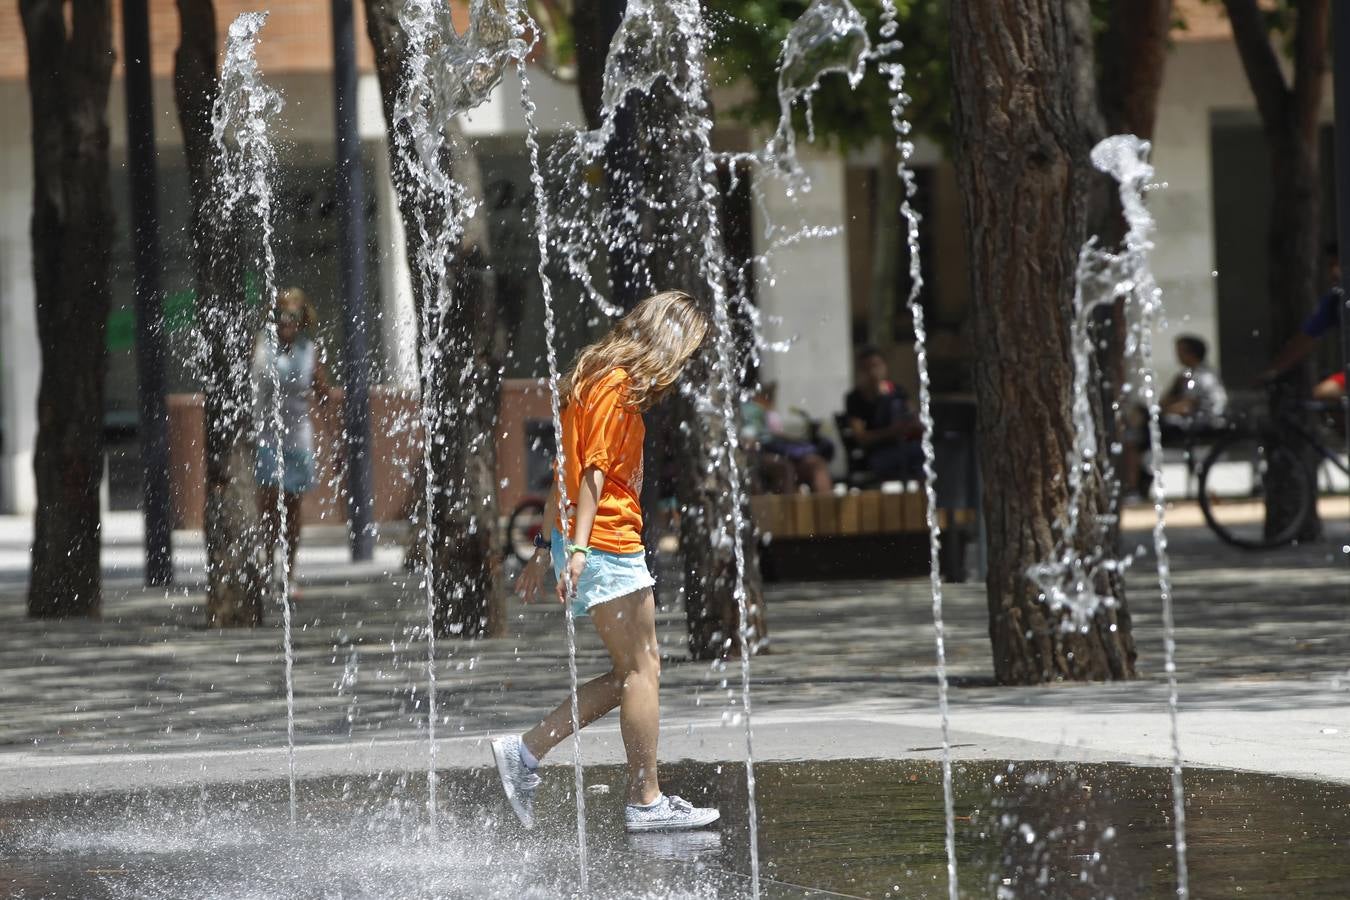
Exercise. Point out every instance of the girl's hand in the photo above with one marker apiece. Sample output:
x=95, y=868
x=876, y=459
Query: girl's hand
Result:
x=530, y=581
x=567, y=585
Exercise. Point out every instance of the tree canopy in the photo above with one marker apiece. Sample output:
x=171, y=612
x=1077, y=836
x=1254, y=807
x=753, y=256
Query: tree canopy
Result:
x=748, y=38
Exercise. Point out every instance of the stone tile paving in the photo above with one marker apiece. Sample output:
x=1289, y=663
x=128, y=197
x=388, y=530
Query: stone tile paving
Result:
x=148, y=676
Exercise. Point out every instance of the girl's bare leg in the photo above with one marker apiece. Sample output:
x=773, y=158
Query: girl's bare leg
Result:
x=628, y=628
x=271, y=524
x=293, y=502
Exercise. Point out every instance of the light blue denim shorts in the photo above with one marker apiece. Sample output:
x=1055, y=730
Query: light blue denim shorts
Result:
x=297, y=469
x=607, y=576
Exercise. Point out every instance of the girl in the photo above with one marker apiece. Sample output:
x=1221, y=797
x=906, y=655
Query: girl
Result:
x=598, y=558
x=288, y=375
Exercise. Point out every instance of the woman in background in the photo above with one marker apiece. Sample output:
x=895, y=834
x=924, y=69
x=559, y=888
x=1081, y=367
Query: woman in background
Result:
x=288, y=376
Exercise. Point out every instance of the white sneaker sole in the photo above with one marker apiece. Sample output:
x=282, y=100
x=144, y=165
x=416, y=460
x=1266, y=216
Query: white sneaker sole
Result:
x=499, y=757
x=707, y=818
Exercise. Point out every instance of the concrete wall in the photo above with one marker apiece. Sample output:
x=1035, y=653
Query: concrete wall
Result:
x=18, y=328
x=804, y=296
x=1204, y=80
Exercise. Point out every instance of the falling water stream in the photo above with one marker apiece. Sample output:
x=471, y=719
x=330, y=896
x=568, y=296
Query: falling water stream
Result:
x=246, y=159
x=560, y=462
x=448, y=73
x=714, y=266
x=1125, y=158
x=895, y=75
x=831, y=37
x=1071, y=580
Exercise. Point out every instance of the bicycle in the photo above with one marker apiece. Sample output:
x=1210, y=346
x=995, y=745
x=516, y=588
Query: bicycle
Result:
x=1243, y=470
x=526, y=521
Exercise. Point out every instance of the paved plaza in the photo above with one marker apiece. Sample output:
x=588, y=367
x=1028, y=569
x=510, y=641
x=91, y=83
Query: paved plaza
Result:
x=147, y=695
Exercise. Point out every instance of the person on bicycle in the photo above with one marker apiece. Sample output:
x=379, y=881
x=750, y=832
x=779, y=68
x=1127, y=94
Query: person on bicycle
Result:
x=1325, y=317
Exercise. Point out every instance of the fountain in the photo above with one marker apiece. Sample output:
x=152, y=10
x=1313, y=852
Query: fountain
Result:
x=448, y=74
x=246, y=159
x=354, y=817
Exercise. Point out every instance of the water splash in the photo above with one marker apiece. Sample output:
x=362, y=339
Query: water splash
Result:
x=1069, y=582
x=446, y=74
x=1125, y=158
x=241, y=118
x=830, y=37
x=714, y=270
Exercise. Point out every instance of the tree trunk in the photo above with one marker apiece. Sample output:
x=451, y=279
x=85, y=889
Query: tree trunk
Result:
x=462, y=383
x=68, y=78
x=1024, y=129
x=235, y=569
x=1291, y=118
x=1293, y=277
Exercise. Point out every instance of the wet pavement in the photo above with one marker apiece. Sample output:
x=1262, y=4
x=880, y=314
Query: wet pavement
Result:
x=851, y=828
x=111, y=730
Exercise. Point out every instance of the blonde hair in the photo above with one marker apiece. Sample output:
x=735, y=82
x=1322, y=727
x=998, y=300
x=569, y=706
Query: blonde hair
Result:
x=651, y=344
x=296, y=298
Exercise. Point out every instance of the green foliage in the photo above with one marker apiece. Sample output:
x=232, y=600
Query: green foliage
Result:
x=1281, y=20
x=748, y=37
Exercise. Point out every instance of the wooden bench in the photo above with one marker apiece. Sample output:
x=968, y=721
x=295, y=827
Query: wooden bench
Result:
x=861, y=534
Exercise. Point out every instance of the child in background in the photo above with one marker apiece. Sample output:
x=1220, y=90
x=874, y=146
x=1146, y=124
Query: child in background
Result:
x=598, y=558
x=1196, y=400
x=784, y=462
x=288, y=377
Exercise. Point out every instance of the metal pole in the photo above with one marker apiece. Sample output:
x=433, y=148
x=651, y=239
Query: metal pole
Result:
x=351, y=196
x=154, y=424
x=1340, y=23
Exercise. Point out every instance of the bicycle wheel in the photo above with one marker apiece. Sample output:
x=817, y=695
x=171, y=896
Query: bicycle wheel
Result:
x=527, y=520
x=1245, y=479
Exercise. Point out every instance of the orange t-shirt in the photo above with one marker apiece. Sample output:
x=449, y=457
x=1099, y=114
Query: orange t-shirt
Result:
x=601, y=431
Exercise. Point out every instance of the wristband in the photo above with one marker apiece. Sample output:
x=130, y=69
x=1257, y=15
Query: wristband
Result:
x=540, y=542
x=577, y=548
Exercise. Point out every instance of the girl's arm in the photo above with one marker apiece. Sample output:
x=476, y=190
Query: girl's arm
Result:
x=531, y=578
x=592, y=483
x=323, y=385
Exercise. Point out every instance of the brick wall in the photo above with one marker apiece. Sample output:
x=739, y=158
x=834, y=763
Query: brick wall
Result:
x=297, y=38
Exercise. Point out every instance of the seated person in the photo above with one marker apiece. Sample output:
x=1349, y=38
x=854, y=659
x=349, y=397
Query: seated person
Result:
x=1196, y=400
x=881, y=423
x=784, y=462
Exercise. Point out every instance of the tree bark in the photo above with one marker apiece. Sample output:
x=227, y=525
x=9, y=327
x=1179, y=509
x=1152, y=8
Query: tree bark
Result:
x=227, y=324
x=1024, y=124
x=462, y=383
x=69, y=71
x=1291, y=119
x=1133, y=62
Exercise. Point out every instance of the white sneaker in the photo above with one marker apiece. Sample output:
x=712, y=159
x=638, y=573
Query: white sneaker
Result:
x=667, y=814
x=518, y=780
